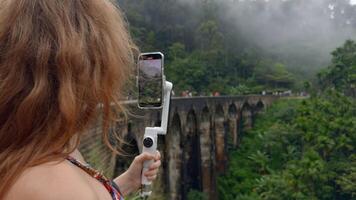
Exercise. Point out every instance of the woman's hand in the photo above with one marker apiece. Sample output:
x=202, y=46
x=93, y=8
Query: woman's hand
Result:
x=130, y=181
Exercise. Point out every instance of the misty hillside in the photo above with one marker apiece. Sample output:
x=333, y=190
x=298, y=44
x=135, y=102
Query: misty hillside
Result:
x=241, y=46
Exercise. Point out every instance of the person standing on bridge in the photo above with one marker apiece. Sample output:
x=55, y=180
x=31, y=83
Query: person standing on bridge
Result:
x=59, y=60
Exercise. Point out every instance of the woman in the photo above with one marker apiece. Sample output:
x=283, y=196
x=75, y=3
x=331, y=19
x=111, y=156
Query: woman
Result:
x=59, y=60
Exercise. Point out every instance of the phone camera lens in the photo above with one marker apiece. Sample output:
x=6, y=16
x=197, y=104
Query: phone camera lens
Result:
x=148, y=142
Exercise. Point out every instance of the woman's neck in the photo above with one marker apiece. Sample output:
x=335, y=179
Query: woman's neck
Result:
x=78, y=156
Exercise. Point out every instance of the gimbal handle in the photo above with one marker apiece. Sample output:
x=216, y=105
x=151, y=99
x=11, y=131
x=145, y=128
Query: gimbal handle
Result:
x=150, y=137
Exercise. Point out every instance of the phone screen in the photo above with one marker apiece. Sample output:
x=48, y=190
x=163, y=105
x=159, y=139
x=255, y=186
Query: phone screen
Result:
x=150, y=80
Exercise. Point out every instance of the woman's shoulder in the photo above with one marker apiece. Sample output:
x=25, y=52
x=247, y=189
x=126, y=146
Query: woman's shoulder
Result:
x=51, y=181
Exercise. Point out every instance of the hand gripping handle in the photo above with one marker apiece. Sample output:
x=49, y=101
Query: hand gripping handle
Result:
x=149, y=146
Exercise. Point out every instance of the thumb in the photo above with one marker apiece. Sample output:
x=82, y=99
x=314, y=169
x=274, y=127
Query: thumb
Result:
x=144, y=156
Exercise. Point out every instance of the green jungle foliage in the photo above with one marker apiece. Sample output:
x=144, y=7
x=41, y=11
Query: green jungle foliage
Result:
x=297, y=150
x=197, y=195
x=301, y=149
x=206, y=52
x=203, y=53
x=341, y=74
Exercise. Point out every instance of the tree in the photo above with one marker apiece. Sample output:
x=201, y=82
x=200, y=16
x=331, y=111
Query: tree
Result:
x=206, y=45
x=273, y=74
x=341, y=74
x=301, y=150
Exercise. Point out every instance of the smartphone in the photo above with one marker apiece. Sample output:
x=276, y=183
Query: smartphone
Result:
x=150, y=80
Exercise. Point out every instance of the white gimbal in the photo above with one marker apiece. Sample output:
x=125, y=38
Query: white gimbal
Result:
x=151, y=134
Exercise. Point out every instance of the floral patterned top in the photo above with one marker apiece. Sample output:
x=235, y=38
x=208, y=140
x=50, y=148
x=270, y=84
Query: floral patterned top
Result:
x=112, y=188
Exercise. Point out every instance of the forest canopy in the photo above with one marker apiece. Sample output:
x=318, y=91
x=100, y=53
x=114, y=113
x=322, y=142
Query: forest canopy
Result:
x=302, y=149
x=241, y=47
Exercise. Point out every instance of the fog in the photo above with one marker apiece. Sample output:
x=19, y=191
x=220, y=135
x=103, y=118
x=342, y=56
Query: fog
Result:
x=301, y=33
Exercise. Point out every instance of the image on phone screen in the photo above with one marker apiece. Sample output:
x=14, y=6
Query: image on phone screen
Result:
x=150, y=80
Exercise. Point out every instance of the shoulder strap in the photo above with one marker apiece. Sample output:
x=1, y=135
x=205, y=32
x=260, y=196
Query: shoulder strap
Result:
x=111, y=186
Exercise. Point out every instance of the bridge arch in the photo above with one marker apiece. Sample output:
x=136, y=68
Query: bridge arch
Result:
x=192, y=155
x=232, y=110
x=259, y=107
x=246, y=114
x=174, y=158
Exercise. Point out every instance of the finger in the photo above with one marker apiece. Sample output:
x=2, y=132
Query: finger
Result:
x=151, y=178
x=158, y=156
x=144, y=156
x=155, y=165
x=151, y=172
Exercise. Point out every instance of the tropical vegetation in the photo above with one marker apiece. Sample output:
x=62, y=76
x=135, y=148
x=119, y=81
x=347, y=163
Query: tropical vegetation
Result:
x=302, y=149
x=298, y=149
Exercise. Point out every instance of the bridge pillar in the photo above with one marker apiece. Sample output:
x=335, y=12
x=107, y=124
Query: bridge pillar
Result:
x=174, y=157
x=219, y=130
x=206, y=153
x=233, y=126
x=239, y=128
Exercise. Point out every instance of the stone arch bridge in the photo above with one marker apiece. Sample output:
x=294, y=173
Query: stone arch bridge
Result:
x=201, y=130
